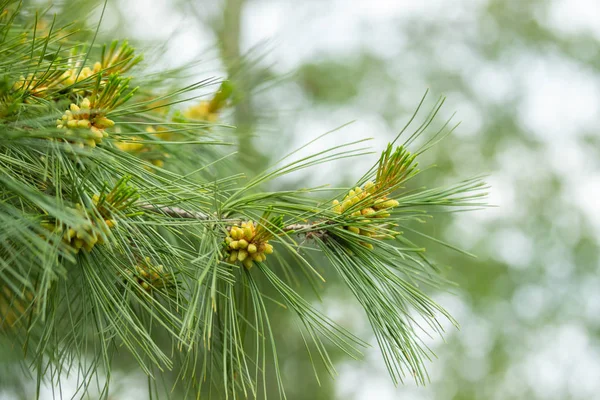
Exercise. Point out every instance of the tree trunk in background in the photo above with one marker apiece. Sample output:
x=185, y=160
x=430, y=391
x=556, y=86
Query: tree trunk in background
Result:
x=229, y=31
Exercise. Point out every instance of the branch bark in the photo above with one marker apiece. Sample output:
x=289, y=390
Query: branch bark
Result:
x=177, y=212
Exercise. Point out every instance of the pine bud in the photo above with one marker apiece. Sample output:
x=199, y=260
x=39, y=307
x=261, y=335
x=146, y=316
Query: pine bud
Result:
x=354, y=229
x=83, y=123
x=390, y=204
x=96, y=133
x=103, y=122
x=248, y=263
x=92, y=240
x=337, y=208
x=367, y=211
x=235, y=232
x=382, y=204
x=242, y=254
x=82, y=118
x=346, y=205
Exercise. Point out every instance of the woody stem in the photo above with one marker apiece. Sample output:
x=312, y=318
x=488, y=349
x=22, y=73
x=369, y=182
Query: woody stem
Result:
x=177, y=212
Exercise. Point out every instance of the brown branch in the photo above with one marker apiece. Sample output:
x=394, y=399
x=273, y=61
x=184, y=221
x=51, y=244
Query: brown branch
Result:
x=177, y=212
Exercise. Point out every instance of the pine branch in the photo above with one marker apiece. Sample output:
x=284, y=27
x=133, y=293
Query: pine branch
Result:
x=176, y=212
x=94, y=254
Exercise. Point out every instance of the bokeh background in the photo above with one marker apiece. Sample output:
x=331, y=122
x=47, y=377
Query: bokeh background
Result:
x=523, y=76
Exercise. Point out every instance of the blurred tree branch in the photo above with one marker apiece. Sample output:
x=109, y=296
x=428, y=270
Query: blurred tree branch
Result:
x=228, y=31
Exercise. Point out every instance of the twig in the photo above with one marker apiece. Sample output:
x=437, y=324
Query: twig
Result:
x=181, y=213
x=176, y=212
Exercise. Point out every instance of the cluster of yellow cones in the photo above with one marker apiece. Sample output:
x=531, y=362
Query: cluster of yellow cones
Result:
x=85, y=123
x=149, y=276
x=202, y=112
x=88, y=234
x=141, y=149
x=245, y=245
x=209, y=110
x=39, y=86
x=371, y=208
x=74, y=75
x=84, y=236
